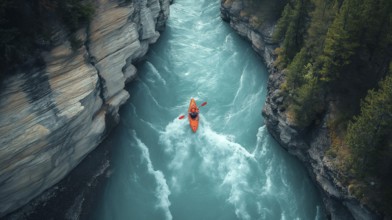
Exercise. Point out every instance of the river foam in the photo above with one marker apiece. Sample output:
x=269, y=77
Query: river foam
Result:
x=222, y=160
x=162, y=191
x=231, y=168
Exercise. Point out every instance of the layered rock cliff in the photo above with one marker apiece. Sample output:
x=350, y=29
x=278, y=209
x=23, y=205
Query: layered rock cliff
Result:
x=53, y=114
x=310, y=149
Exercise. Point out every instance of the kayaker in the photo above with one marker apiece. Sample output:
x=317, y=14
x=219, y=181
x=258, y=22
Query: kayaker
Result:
x=193, y=113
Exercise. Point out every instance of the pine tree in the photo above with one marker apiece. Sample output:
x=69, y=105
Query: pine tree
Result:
x=296, y=71
x=281, y=26
x=321, y=17
x=308, y=100
x=291, y=27
x=376, y=27
x=367, y=130
x=341, y=41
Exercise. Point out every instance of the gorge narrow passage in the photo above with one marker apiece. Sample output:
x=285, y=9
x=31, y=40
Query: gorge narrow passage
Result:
x=231, y=168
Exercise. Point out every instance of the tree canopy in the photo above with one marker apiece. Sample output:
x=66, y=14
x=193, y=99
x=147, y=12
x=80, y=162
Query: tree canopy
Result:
x=338, y=53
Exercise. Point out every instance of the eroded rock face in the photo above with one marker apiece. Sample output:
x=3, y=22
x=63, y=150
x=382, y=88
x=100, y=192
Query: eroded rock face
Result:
x=309, y=148
x=259, y=35
x=53, y=115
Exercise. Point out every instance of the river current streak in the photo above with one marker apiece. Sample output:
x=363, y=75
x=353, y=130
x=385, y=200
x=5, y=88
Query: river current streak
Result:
x=231, y=168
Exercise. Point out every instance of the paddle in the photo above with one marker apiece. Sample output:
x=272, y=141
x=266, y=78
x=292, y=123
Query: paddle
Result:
x=183, y=116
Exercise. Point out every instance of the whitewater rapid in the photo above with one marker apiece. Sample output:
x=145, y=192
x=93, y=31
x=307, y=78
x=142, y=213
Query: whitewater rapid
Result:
x=231, y=168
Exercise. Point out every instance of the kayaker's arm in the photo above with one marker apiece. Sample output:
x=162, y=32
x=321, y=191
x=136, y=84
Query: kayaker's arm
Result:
x=183, y=116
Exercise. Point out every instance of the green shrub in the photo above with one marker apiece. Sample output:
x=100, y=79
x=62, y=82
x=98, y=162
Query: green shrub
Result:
x=75, y=12
x=24, y=24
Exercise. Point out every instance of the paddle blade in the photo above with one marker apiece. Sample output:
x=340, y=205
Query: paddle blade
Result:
x=204, y=103
x=181, y=117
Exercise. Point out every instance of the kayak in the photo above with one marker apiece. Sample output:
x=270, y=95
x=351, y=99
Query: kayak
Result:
x=193, y=122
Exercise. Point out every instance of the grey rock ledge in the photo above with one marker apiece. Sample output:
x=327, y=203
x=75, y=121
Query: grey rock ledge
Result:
x=52, y=116
x=337, y=201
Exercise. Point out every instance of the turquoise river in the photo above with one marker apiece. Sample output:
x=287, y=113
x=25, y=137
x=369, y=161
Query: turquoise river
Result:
x=231, y=168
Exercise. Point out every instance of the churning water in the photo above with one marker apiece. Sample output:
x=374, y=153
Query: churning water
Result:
x=231, y=168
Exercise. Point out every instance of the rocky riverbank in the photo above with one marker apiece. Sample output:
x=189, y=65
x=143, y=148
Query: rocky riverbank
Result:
x=75, y=196
x=53, y=114
x=308, y=146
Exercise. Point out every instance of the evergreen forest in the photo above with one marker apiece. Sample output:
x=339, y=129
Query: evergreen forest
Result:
x=336, y=59
x=336, y=56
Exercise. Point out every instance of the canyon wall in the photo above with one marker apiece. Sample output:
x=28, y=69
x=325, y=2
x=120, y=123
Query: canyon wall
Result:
x=56, y=112
x=339, y=204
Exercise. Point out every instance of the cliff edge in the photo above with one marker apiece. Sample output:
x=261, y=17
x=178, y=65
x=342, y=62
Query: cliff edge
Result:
x=56, y=112
x=310, y=149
